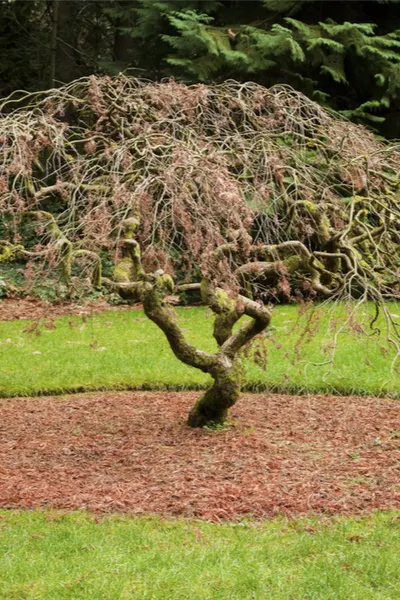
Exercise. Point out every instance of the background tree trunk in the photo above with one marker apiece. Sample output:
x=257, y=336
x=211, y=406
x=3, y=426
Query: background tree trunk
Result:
x=124, y=44
x=54, y=34
x=65, y=68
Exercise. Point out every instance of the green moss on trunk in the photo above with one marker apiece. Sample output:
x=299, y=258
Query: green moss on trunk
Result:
x=212, y=408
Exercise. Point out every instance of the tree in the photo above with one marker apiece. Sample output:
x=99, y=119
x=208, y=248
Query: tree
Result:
x=47, y=43
x=247, y=194
x=83, y=38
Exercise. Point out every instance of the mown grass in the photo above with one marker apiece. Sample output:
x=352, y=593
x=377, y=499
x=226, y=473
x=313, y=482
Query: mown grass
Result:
x=54, y=556
x=124, y=350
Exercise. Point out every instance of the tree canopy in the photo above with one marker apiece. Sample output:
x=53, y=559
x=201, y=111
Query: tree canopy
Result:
x=201, y=166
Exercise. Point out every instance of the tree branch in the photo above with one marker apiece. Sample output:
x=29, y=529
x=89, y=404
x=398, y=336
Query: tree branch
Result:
x=165, y=318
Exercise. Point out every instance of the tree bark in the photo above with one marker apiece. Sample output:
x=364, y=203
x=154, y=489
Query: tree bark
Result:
x=71, y=57
x=54, y=34
x=66, y=68
x=223, y=366
x=212, y=408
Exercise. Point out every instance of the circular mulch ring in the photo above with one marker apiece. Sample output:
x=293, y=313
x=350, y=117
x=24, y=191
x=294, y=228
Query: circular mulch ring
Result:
x=132, y=452
x=13, y=309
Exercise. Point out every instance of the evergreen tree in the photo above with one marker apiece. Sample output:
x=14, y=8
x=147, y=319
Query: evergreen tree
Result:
x=351, y=65
x=47, y=42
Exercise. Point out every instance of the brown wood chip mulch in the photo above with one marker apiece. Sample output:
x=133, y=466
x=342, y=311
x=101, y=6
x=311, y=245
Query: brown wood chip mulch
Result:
x=31, y=308
x=132, y=452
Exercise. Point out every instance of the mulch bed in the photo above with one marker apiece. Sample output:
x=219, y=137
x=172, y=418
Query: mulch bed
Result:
x=132, y=452
x=12, y=309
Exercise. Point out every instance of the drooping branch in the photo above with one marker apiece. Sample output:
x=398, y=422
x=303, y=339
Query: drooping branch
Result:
x=228, y=310
x=64, y=247
x=129, y=268
x=62, y=244
x=224, y=307
x=290, y=257
x=166, y=320
x=261, y=318
x=96, y=261
x=211, y=173
x=317, y=214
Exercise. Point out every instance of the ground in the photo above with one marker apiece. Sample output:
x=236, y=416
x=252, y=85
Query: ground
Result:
x=133, y=452
x=12, y=309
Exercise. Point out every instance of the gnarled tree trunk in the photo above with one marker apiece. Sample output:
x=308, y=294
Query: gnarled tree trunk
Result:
x=224, y=366
x=213, y=406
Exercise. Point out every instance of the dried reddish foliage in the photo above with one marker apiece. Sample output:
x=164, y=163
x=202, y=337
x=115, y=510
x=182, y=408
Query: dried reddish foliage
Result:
x=31, y=308
x=217, y=176
x=132, y=452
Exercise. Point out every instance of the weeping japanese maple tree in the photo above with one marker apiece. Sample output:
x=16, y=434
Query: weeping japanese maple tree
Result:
x=243, y=193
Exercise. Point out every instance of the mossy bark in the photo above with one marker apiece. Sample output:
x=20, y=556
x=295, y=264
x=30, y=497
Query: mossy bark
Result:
x=224, y=366
x=124, y=271
x=63, y=244
x=129, y=268
x=212, y=407
x=8, y=251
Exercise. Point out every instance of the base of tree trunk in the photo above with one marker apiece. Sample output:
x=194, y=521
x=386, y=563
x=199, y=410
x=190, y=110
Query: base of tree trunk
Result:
x=212, y=408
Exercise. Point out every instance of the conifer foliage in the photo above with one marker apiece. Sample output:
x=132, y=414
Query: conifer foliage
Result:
x=350, y=66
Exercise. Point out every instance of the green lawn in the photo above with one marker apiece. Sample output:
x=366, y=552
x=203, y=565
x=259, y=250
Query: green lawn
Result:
x=50, y=556
x=124, y=350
